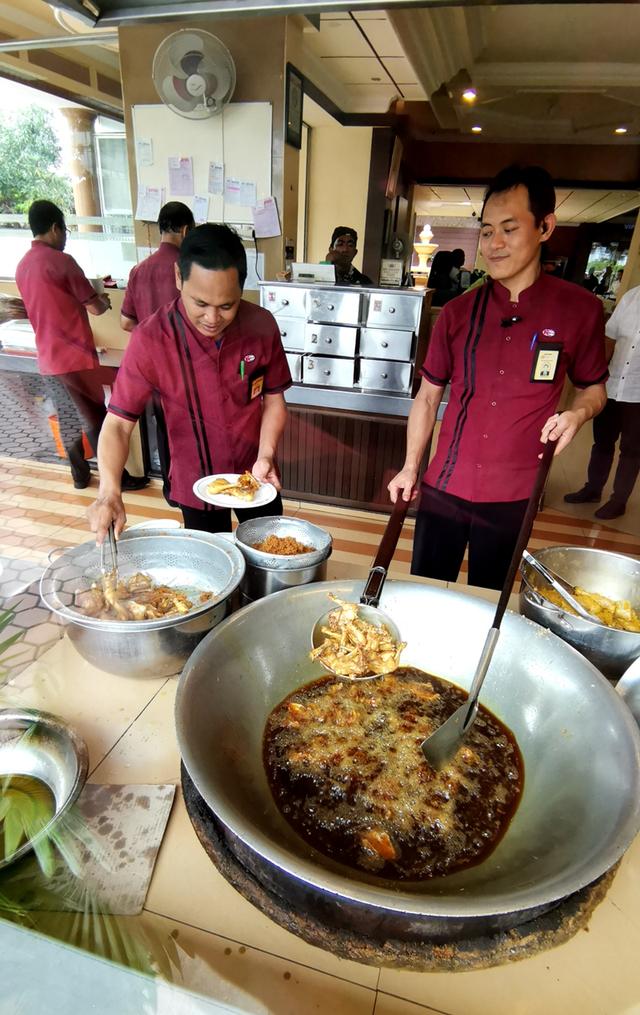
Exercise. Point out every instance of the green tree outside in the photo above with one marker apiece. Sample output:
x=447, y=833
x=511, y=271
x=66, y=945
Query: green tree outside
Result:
x=30, y=160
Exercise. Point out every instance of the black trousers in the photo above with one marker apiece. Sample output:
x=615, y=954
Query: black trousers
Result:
x=78, y=398
x=219, y=519
x=618, y=420
x=445, y=525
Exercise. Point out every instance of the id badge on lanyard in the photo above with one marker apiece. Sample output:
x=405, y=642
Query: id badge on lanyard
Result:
x=546, y=360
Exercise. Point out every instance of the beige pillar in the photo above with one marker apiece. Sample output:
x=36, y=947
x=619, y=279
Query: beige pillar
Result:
x=82, y=168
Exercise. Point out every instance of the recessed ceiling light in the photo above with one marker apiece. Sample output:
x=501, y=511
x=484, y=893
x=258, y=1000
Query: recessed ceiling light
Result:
x=620, y=130
x=476, y=129
x=469, y=95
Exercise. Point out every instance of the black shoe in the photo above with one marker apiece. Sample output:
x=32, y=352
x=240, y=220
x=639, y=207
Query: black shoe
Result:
x=587, y=495
x=81, y=484
x=612, y=509
x=134, y=482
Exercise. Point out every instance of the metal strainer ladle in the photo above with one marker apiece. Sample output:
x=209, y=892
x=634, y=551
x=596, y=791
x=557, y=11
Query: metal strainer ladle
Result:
x=368, y=609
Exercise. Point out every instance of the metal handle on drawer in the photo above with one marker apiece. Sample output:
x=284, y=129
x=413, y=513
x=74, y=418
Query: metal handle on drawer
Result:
x=392, y=310
x=328, y=341
x=384, y=345
x=284, y=334
x=327, y=373
x=285, y=303
x=330, y=306
x=384, y=376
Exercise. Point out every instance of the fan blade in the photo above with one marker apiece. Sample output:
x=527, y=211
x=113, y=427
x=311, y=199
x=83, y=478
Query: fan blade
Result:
x=218, y=77
x=174, y=92
x=181, y=46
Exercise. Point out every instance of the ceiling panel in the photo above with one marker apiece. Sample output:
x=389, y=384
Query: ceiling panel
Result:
x=337, y=38
x=573, y=206
x=356, y=71
x=382, y=37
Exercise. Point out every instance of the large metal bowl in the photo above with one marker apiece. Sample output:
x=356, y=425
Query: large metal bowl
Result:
x=581, y=803
x=183, y=558
x=610, y=574
x=40, y=745
x=255, y=530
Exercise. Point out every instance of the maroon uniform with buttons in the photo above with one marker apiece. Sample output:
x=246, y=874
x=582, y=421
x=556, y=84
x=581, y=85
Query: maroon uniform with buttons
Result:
x=152, y=283
x=211, y=392
x=490, y=436
x=476, y=488
x=54, y=289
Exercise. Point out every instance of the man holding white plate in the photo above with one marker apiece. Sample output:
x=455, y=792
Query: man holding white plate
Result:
x=217, y=364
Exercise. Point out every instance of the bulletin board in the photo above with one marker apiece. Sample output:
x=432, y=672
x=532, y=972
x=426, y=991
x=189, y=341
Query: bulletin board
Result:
x=239, y=138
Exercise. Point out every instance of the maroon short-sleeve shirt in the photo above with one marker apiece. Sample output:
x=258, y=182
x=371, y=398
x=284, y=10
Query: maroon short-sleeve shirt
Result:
x=152, y=283
x=211, y=395
x=484, y=345
x=55, y=290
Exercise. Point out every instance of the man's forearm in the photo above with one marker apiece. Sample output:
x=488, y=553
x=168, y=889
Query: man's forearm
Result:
x=588, y=402
x=274, y=418
x=113, y=451
x=422, y=418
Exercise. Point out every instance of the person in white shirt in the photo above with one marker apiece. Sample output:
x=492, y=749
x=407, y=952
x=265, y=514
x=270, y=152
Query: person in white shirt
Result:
x=620, y=419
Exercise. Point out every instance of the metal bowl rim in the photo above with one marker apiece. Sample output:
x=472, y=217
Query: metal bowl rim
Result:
x=284, y=561
x=343, y=887
x=80, y=751
x=238, y=567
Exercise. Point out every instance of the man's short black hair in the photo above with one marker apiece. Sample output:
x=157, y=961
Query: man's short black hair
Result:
x=214, y=247
x=539, y=184
x=43, y=215
x=343, y=231
x=173, y=216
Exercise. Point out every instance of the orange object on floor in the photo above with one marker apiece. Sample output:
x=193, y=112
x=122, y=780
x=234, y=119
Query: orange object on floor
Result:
x=55, y=431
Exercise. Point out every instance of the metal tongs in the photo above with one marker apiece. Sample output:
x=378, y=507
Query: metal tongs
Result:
x=110, y=574
x=562, y=587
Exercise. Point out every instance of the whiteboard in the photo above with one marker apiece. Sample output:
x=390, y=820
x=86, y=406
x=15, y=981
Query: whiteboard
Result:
x=239, y=138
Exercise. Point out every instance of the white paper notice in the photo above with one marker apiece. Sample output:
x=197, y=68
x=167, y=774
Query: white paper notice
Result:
x=150, y=201
x=247, y=193
x=232, y=190
x=180, y=176
x=216, y=178
x=144, y=151
x=201, y=209
x=265, y=218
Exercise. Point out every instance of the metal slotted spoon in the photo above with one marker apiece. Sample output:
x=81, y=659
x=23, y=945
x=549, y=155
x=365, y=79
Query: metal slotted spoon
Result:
x=442, y=744
x=368, y=609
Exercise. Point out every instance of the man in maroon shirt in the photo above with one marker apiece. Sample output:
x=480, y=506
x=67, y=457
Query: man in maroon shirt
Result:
x=152, y=284
x=218, y=366
x=505, y=349
x=58, y=298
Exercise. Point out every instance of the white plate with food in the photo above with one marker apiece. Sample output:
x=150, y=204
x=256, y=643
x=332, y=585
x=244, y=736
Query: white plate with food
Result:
x=234, y=490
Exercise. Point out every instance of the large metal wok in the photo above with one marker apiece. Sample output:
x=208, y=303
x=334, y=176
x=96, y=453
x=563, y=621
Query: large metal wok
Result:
x=581, y=804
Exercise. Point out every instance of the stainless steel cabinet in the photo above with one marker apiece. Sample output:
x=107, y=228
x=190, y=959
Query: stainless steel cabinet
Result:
x=362, y=337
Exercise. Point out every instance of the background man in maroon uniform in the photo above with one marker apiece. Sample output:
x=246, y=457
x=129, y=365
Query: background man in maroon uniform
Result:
x=218, y=366
x=505, y=349
x=152, y=283
x=58, y=298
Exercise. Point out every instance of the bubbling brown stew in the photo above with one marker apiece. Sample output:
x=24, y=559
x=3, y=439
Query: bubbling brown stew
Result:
x=346, y=770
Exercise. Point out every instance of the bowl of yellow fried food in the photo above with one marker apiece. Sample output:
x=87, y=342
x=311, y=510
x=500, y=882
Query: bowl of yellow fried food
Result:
x=607, y=585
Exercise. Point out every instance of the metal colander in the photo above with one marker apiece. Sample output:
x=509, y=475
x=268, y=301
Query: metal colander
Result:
x=256, y=529
x=189, y=561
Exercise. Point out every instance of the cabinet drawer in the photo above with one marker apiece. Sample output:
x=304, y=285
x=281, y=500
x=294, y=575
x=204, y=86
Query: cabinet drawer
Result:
x=327, y=339
x=394, y=311
x=379, y=343
x=284, y=300
x=292, y=333
x=295, y=366
x=384, y=375
x=331, y=306
x=337, y=373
